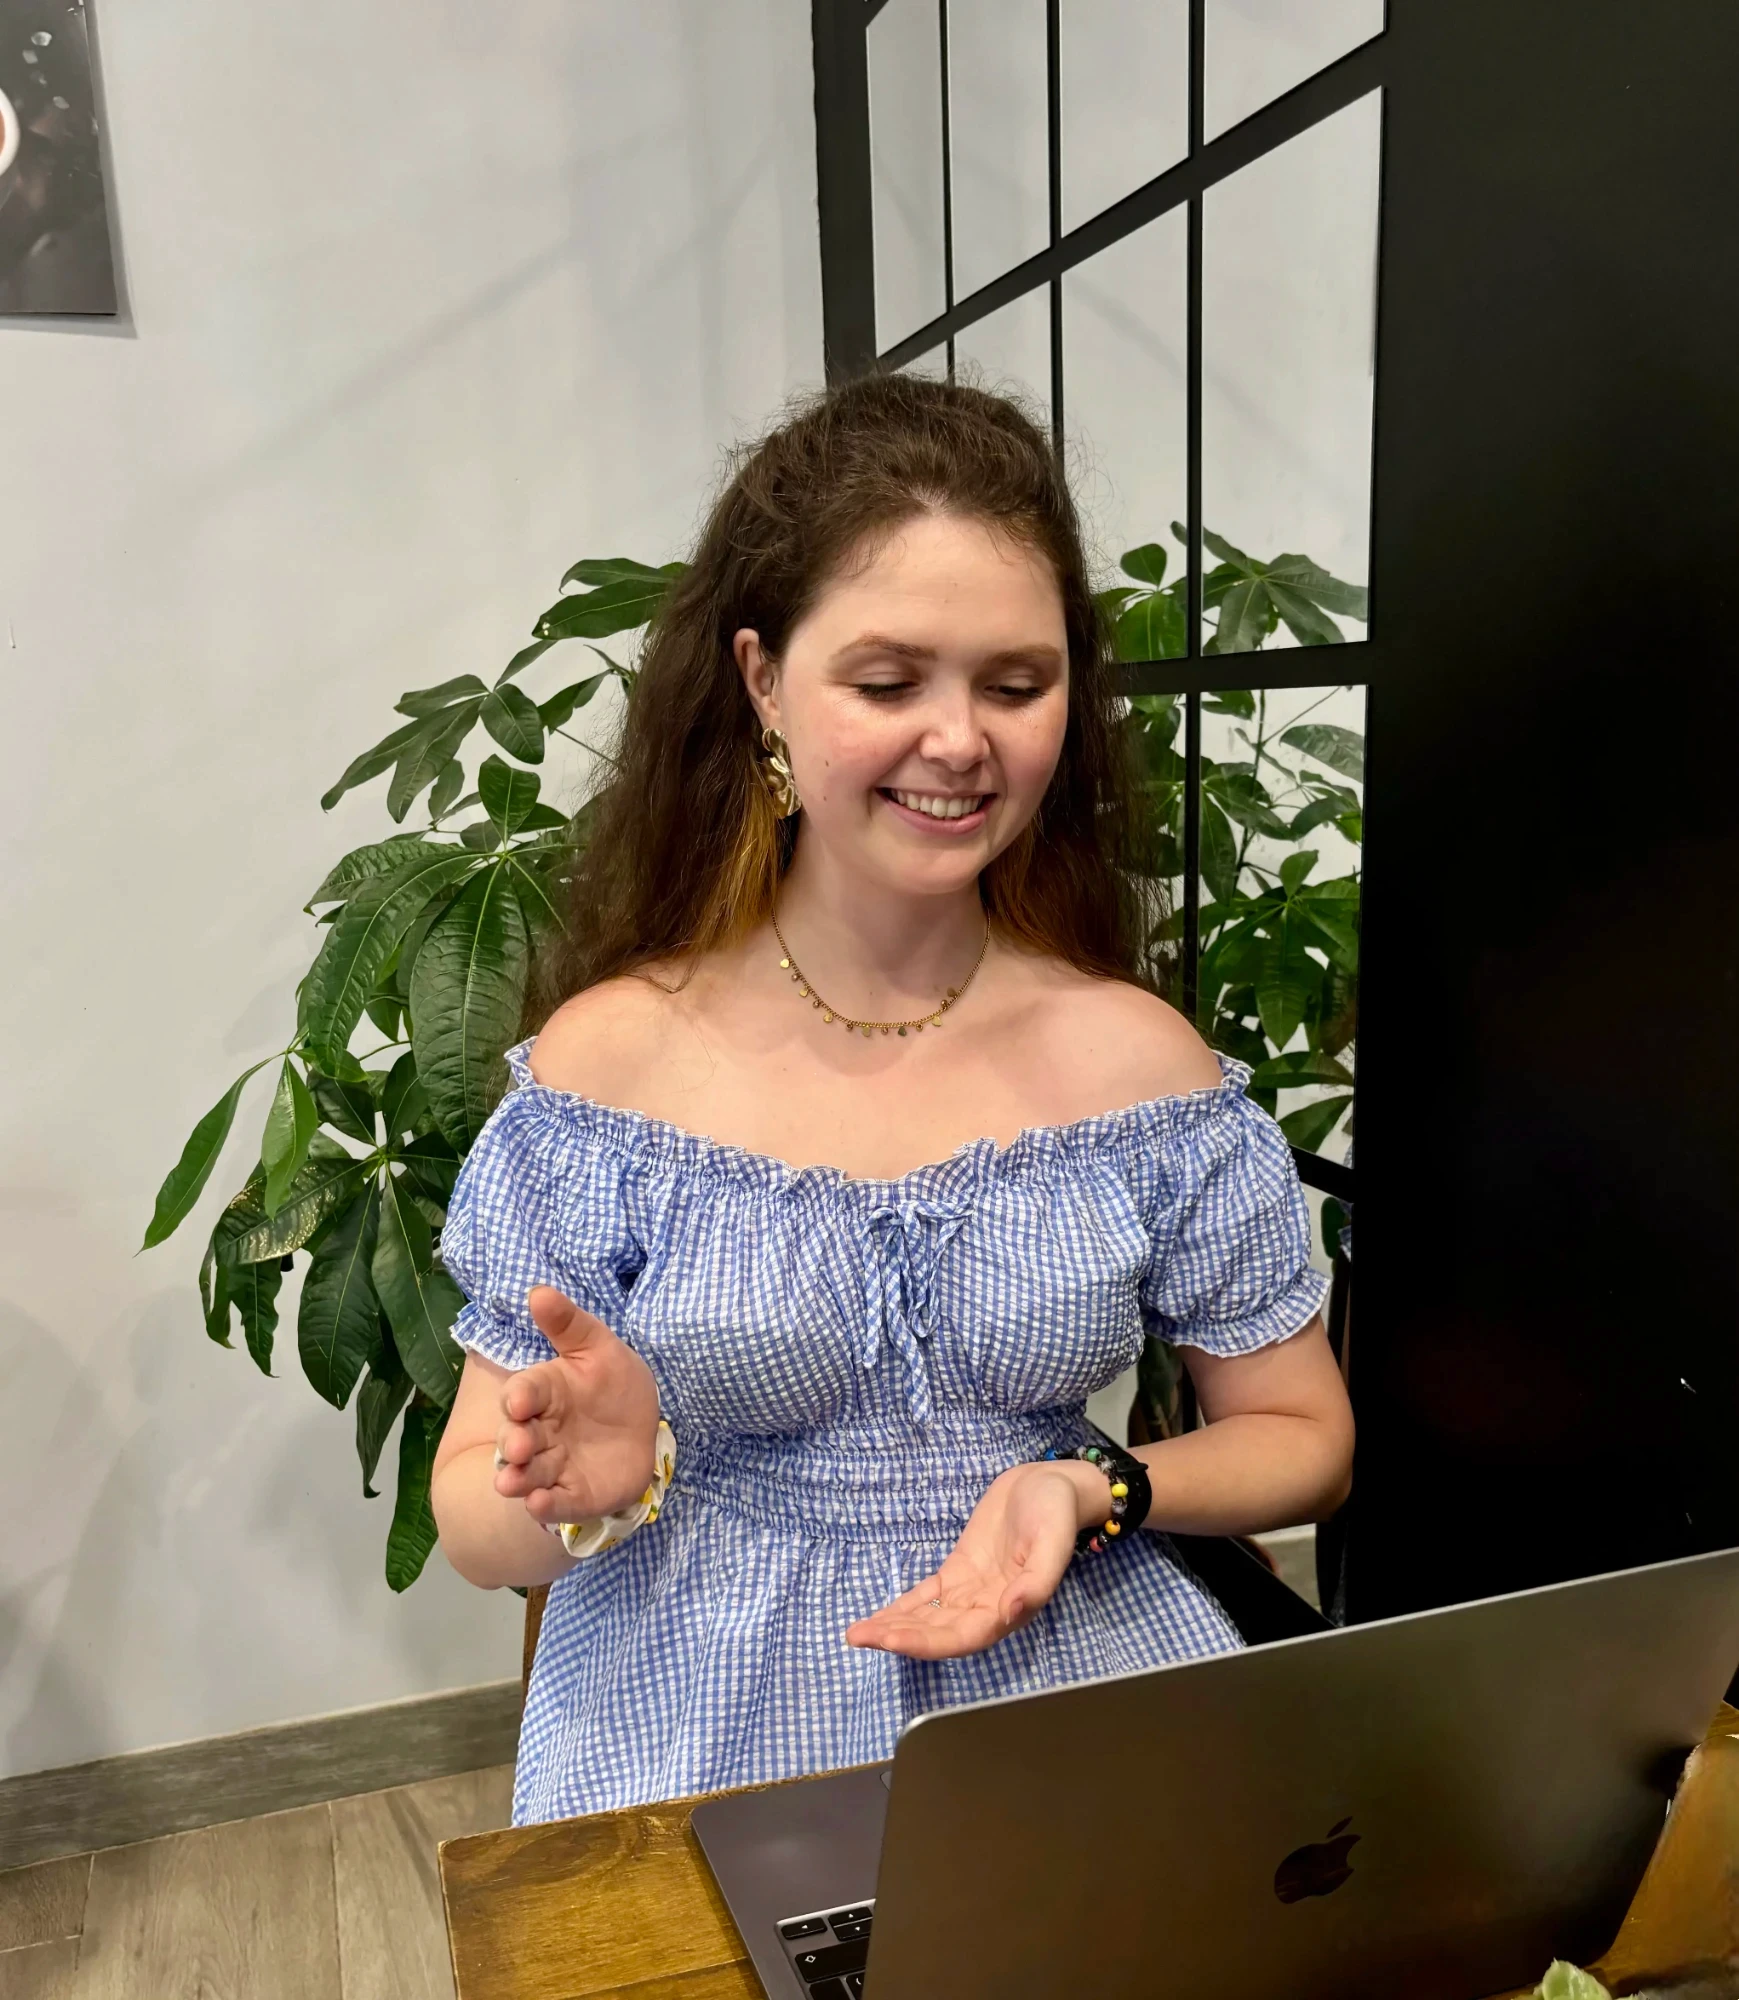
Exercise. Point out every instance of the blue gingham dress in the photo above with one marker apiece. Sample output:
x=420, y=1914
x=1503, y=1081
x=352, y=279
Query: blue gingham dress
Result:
x=847, y=1364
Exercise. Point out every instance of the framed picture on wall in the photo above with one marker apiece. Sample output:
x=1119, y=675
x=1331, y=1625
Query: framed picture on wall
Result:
x=55, y=254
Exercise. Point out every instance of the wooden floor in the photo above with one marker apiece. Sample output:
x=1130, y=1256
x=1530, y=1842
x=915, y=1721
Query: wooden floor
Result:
x=328, y=1902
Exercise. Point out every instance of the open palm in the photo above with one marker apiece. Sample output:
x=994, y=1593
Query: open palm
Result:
x=1005, y=1567
x=577, y=1433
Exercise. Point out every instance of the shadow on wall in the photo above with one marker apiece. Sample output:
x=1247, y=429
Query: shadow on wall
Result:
x=67, y=1700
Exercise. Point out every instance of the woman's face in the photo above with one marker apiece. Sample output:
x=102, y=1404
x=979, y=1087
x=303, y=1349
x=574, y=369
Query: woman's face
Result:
x=923, y=697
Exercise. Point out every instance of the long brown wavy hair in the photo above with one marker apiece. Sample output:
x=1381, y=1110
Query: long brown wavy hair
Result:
x=682, y=852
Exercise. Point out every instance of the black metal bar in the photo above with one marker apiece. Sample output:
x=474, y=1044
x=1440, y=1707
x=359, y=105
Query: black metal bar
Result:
x=947, y=172
x=839, y=30
x=1291, y=667
x=871, y=8
x=1054, y=163
x=1192, y=853
x=1192, y=755
x=1329, y=91
x=1326, y=1176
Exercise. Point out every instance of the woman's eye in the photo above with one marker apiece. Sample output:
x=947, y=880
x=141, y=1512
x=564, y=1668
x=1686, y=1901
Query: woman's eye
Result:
x=1021, y=693
x=875, y=690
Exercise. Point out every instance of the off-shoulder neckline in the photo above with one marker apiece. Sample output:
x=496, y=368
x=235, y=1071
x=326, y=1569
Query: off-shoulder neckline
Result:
x=641, y=1133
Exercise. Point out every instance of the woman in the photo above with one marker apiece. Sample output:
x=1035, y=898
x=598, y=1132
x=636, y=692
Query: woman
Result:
x=854, y=1149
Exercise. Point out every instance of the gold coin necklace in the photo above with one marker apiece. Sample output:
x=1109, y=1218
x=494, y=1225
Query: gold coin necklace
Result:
x=805, y=991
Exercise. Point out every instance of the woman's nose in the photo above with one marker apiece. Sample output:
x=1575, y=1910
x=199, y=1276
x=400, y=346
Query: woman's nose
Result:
x=953, y=733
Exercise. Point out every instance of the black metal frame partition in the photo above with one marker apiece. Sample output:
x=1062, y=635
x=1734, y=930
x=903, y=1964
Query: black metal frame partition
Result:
x=1547, y=1379
x=842, y=116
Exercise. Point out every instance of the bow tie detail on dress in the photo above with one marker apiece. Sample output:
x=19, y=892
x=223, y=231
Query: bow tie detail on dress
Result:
x=903, y=1240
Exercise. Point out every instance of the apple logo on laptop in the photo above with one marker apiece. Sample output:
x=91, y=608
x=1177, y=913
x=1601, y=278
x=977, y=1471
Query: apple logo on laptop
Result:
x=1318, y=1869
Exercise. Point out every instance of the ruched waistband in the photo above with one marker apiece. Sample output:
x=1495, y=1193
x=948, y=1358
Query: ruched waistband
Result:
x=875, y=1485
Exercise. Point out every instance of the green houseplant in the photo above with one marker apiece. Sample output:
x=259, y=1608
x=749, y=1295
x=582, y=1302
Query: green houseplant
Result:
x=427, y=936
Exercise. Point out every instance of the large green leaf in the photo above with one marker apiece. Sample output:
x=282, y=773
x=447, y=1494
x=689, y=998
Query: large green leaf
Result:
x=1340, y=749
x=427, y=755
x=508, y=795
x=384, y=1392
x=365, y=864
x=1311, y=1124
x=290, y=1125
x=511, y=717
x=358, y=946
x=330, y=1178
x=1152, y=628
x=1146, y=564
x=384, y=1007
x=431, y=1166
x=1287, y=980
x=1300, y=1070
x=525, y=656
x=1317, y=813
x=371, y=763
x=1227, y=552
x=345, y=1104
x=411, y=1538
x=614, y=607
x=1231, y=701
x=1295, y=870
x=1299, y=573
x=466, y=996
x=338, y=1324
x=431, y=701
x=187, y=1178
x=1307, y=622
x=404, y=1107
x=1247, y=616
x=1219, y=853
x=421, y=1302
x=543, y=915
x=594, y=570
x=1244, y=798
x=424, y=921
x=449, y=783
x=254, y=1289
x=561, y=705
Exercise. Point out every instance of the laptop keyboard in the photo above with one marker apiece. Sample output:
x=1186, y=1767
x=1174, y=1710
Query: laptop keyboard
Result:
x=828, y=1949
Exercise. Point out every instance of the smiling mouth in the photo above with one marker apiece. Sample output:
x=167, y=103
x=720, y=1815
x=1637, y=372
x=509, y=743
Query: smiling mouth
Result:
x=939, y=805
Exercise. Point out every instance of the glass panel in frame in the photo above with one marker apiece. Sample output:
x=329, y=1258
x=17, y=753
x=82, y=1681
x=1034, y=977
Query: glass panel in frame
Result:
x=1289, y=254
x=999, y=134
x=905, y=110
x=1282, y=810
x=1125, y=410
x=1124, y=68
x=1257, y=50
x=1009, y=350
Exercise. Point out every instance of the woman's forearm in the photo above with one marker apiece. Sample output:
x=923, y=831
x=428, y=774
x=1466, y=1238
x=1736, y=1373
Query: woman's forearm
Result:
x=1247, y=1474
x=490, y=1541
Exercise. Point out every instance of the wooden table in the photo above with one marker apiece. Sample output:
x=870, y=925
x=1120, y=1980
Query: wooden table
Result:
x=622, y=1904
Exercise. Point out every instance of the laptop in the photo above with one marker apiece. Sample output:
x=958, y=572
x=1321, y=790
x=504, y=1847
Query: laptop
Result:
x=1435, y=1806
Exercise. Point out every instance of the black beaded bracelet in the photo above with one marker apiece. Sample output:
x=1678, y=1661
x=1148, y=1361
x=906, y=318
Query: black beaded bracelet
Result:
x=1131, y=1491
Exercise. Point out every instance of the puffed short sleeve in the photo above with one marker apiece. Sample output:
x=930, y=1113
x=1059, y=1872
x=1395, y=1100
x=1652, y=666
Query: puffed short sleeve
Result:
x=1230, y=1269
x=537, y=1202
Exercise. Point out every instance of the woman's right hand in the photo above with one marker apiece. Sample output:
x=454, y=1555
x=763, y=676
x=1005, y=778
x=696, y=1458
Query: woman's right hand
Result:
x=577, y=1433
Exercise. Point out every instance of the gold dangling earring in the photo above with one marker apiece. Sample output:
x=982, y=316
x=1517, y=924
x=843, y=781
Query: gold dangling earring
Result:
x=776, y=773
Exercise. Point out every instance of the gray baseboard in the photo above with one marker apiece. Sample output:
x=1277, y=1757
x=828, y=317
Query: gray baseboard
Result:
x=117, y=1800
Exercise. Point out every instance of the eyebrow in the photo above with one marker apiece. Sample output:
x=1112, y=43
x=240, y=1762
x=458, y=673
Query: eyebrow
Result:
x=905, y=649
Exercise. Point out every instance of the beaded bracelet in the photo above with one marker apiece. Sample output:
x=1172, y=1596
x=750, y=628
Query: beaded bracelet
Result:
x=1131, y=1492
x=604, y=1531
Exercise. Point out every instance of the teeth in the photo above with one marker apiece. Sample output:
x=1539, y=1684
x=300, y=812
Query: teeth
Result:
x=937, y=808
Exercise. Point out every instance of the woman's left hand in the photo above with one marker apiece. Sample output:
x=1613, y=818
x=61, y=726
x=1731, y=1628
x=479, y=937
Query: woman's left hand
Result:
x=1005, y=1567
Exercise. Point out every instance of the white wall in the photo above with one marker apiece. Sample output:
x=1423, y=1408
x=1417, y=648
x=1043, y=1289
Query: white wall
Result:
x=427, y=299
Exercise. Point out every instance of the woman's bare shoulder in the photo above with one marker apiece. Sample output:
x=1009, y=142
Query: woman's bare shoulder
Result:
x=601, y=1042
x=1119, y=1044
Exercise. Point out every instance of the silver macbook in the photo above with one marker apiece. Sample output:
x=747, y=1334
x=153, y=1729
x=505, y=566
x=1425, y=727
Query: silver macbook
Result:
x=1436, y=1806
